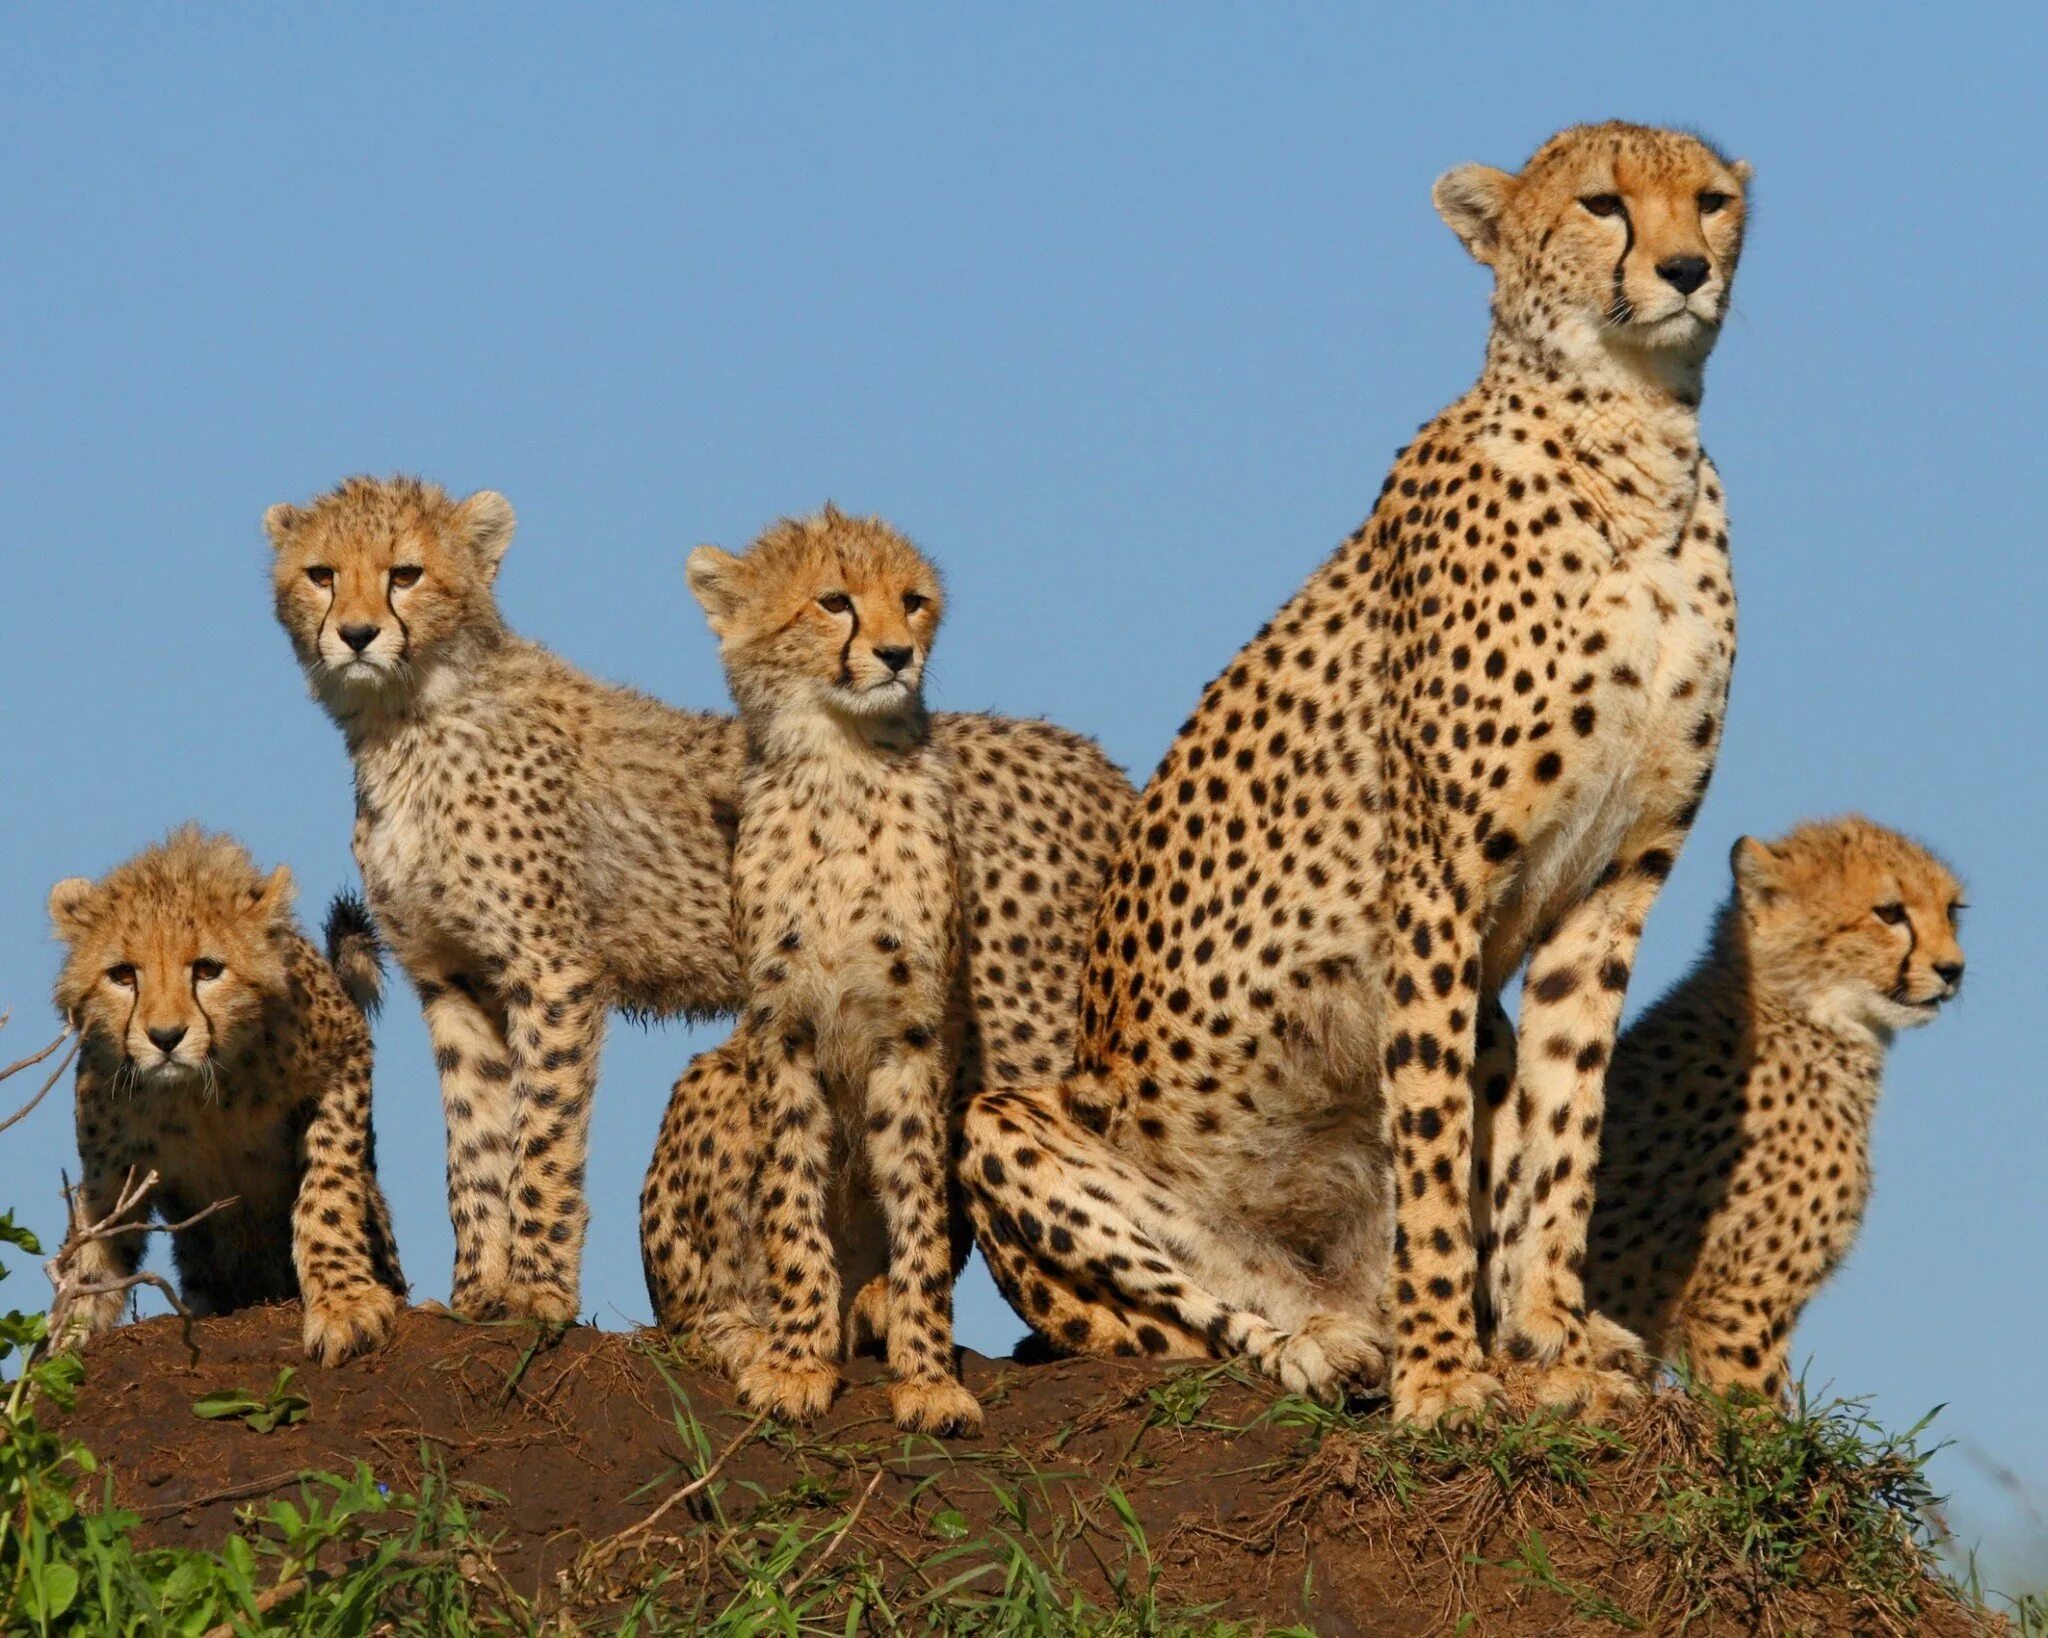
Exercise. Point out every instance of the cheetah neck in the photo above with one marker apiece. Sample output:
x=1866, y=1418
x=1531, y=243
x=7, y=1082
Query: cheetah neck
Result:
x=823, y=738
x=1633, y=436
x=1794, y=1020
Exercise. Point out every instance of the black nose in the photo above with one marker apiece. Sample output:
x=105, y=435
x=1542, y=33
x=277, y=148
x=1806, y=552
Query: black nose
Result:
x=894, y=658
x=1685, y=274
x=1950, y=972
x=167, y=1038
x=359, y=637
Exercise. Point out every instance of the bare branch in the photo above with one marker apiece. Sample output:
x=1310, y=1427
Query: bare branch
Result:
x=127, y=1216
x=19, y=1065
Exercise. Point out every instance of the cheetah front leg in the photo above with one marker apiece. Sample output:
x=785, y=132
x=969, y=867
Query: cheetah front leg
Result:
x=907, y=1146
x=1431, y=1041
x=554, y=1020
x=467, y=1026
x=796, y=1374
x=342, y=1250
x=1571, y=1013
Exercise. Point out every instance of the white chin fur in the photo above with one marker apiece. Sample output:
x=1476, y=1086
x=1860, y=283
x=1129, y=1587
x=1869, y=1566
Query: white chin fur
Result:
x=885, y=700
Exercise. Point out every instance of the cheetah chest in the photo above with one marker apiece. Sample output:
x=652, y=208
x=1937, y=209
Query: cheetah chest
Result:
x=1638, y=706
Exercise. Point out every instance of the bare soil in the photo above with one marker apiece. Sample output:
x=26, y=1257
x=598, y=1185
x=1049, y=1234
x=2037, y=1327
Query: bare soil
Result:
x=1250, y=1507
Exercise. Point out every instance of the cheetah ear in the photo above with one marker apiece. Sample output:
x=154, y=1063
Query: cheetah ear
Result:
x=280, y=523
x=1472, y=200
x=1742, y=171
x=272, y=902
x=714, y=578
x=1755, y=867
x=72, y=907
x=487, y=519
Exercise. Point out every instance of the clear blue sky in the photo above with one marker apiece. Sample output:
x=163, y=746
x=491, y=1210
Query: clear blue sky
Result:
x=1120, y=311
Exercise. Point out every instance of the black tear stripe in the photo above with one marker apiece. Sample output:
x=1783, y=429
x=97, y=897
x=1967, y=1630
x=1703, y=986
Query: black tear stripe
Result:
x=1622, y=309
x=212, y=1031
x=326, y=614
x=1904, y=987
x=397, y=619
x=846, y=653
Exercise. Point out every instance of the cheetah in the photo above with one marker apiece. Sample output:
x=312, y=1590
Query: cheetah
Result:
x=847, y=913
x=221, y=1050
x=1736, y=1161
x=1474, y=739
x=539, y=848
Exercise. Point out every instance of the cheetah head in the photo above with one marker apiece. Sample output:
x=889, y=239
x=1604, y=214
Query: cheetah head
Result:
x=380, y=580
x=1614, y=239
x=1851, y=924
x=826, y=613
x=171, y=958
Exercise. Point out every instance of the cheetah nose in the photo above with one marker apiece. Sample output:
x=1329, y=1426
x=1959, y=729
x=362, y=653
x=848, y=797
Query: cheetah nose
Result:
x=359, y=637
x=166, y=1038
x=1950, y=973
x=894, y=658
x=1685, y=274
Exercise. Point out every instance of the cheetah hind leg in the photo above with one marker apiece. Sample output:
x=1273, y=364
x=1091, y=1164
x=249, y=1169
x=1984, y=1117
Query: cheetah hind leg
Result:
x=1100, y=1259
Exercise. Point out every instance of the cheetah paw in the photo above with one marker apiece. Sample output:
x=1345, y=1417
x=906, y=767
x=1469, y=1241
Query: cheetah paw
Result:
x=341, y=1324
x=549, y=1304
x=1331, y=1355
x=796, y=1391
x=1616, y=1348
x=1458, y=1397
x=942, y=1406
x=1588, y=1395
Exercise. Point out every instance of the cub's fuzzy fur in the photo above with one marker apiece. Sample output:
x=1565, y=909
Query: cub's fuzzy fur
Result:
x=539, y=848
x=833, y=1172
x=221, y=1050
x=1736, y=1163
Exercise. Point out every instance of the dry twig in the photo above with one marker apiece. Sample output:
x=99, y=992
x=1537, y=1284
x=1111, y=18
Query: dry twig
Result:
x=30, y=1062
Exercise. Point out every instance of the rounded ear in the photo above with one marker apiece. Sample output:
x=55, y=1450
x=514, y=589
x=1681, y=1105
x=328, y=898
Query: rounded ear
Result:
x=273, y=899
x=71, y=906
x=1743, y=171
x=1755, y=867
x=281, y=522
x=1472, y=200
x=713, y=577
x=486, y=518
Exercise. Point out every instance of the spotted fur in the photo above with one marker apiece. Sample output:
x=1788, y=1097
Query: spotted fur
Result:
x=1736, y=1166
x=1475, y=738
x=220, y=1050
x=539, y=848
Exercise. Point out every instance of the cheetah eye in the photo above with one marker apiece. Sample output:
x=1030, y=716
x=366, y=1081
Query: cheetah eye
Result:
x=1711, y=202
x=206, y=969
x=122, y=973
x=1955, y=912
x=835, y=602
x=1890, y=914
x=1603, y=204
x=321, y=576
x=406, y=574
x=913, y=601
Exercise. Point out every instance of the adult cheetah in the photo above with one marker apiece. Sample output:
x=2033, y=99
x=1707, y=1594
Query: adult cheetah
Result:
x=222, y=1051
x=1476, y=736
x=827, y=1167
x=539, y=847
x=1735, y=1166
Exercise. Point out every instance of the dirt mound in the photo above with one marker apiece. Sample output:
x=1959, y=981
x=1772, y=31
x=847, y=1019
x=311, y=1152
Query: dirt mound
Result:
x=1100, y=1487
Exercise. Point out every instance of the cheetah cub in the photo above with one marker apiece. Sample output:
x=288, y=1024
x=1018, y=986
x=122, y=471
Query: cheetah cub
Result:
x=846, y=903
x=220, y=1049
x=1736, y=1164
